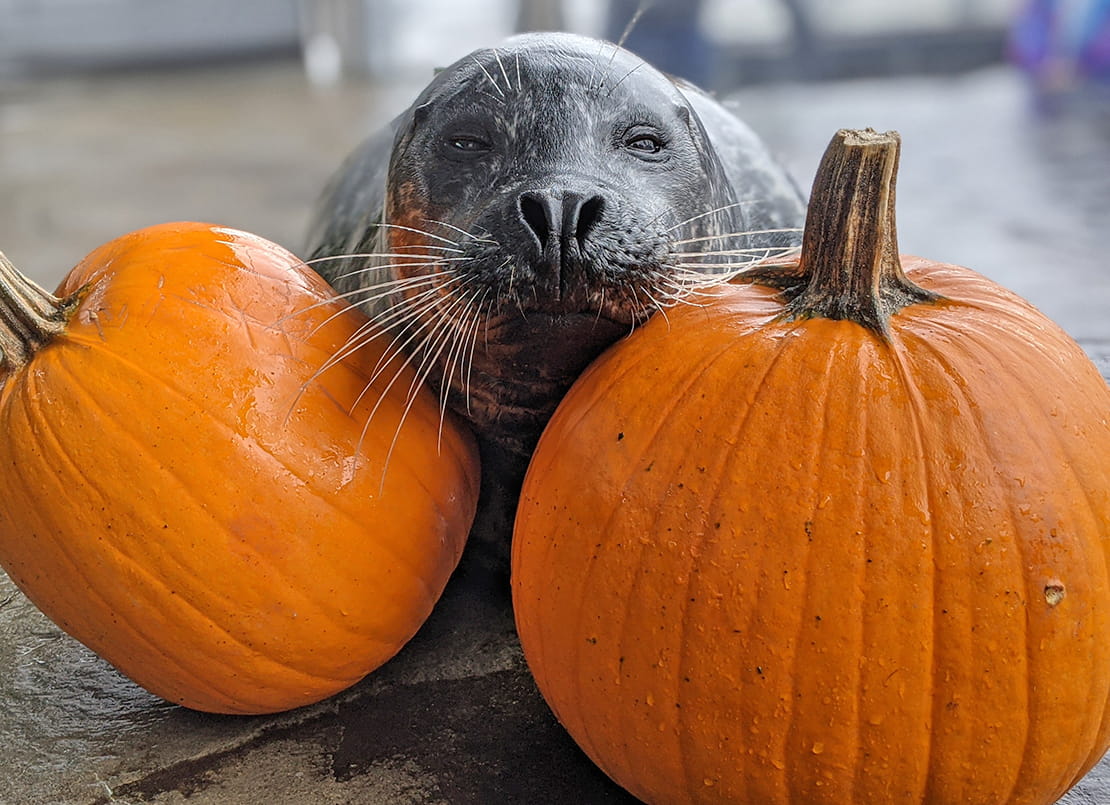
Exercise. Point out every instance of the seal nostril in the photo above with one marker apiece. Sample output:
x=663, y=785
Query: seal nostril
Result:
x=536, y=216
x=588, y=216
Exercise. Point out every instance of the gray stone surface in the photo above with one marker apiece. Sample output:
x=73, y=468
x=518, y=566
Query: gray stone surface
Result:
x=985, y=182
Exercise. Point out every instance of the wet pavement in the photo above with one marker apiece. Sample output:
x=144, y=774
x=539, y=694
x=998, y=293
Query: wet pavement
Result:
x=985, y=181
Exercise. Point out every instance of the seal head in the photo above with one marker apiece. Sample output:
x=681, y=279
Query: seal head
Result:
x=542, y=199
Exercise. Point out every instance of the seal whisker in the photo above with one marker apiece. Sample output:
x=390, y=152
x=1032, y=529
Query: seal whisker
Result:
x=438, y=262
x=482, y=67
x=600, y=303
x=501, y=64
x=747, y=256
x=365, y=334
x=765, y=256
x=449, y=364
x=717, y=266
x=463, y=232
x=418, y=232
x=594, y=67
x=494, y=98
x=410, y=399
x=343, y=256
x=479, y=316
x=658, y=306
x=382, y=255
x=388, y=286
x=439, y=338
x=383, y=322
x=422, y=261
x=346, y=296
x=401, y=315
x=739, y=234
x=738, y=252
x=435, y=341
x=411, y=310
x=411, y=394
x=384, y=297
x=680, y=293
x=384, y=290
x=632, y=23
x=428, y=246
x=623, y=77
x=455, y=357
x=508, y=261
x=349, y=295
x=705, y=214
x=680, y=284
x=639, y=312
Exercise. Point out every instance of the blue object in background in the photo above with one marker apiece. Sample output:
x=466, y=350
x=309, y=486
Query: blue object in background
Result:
x=1063, y=43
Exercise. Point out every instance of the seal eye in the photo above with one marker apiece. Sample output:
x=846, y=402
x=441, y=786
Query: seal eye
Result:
x=468, y=145
x=645, y=143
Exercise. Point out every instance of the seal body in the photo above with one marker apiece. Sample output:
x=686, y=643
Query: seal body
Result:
x=536, y=202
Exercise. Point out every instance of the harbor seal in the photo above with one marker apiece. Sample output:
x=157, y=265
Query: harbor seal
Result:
x=536, y=202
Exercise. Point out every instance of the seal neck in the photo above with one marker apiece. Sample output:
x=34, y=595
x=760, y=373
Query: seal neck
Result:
x=849, y=266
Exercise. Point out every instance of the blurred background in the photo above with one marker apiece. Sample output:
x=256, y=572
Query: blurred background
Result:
x=116, y=114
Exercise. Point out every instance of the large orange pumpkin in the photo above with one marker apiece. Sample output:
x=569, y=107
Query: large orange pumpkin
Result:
x=182, y=492
x=837, y=536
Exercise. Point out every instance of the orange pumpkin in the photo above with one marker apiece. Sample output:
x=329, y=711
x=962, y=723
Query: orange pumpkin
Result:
x=843, y=536
x=183, y=492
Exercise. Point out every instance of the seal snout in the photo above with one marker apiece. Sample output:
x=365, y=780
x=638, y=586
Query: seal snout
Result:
x=560, y=220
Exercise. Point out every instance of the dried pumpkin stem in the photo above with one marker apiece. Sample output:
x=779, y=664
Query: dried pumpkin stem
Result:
x=29, y=317
x=849, y=266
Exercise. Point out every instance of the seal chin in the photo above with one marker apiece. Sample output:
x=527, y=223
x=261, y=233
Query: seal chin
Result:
x=542, y=348
x=521, y=367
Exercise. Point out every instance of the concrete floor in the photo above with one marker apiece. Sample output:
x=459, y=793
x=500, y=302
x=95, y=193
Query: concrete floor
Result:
x=985, y=182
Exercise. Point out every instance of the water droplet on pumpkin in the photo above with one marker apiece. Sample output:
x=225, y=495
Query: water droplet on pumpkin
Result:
x=709, y=782
x=650, y=700
x=818, y=748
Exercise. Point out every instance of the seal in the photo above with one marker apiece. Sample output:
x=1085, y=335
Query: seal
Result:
x=536, y=202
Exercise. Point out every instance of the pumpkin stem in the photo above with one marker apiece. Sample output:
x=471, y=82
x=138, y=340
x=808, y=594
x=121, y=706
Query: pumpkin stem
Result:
x=29, y=317
x=849, y=266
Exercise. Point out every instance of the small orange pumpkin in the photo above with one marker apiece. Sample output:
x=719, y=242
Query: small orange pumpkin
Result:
x=843, y=537
x=183, y=492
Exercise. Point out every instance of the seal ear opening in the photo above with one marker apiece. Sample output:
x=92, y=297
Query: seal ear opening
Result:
x=420, y=113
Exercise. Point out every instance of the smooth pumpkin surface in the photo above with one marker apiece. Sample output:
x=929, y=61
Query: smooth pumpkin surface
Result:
x=809, y=561
x=182, y=491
